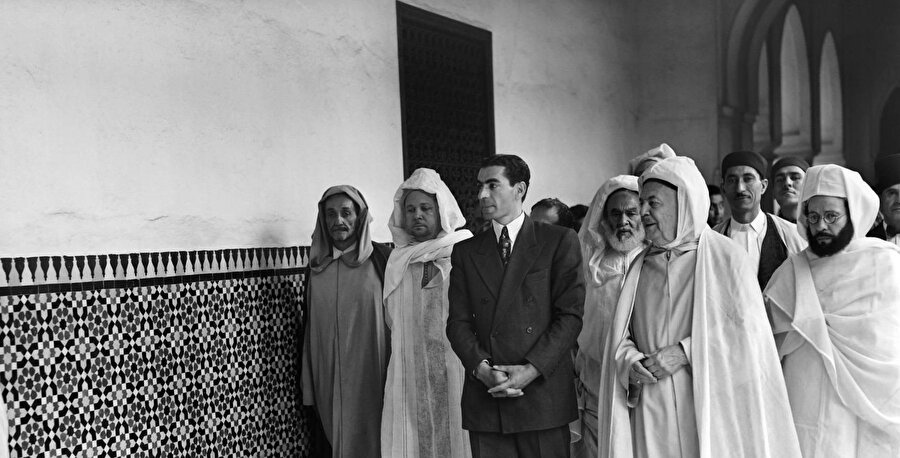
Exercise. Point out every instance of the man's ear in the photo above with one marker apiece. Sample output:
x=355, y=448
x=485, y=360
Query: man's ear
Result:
x=765, y=184
x=521, y=189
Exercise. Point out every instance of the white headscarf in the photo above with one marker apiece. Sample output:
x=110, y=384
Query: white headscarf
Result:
x=438, y=249
x=693, y=197
x=591, y=234
x=320, y=252
x=836, y=181
x=661, y=152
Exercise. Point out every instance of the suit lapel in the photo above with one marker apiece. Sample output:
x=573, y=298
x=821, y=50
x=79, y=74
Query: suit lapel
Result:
x=487, y=262
x=524, y=254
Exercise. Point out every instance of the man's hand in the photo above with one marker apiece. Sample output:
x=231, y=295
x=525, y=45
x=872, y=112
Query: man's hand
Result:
x=490, y=376
x=639, y=374
x=665, y=361
x=519, y=377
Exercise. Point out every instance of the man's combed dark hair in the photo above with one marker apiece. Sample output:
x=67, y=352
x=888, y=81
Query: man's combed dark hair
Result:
x=713, y=190
x=514, y=169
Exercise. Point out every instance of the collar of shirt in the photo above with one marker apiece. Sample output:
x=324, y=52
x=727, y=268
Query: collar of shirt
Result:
x=758, y=225
x=757, y=228
x=513, y=228
x=336, y=253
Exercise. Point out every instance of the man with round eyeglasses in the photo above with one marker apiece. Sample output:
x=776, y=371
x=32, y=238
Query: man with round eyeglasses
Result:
x=836, y=317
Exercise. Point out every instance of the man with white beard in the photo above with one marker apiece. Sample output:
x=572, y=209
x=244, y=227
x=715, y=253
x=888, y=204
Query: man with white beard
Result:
x=611, y=238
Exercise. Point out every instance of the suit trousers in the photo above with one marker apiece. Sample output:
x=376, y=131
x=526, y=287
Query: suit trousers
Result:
x=546, y=443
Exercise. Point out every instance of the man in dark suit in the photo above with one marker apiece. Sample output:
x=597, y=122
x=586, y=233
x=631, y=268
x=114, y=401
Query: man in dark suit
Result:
x=516, y=301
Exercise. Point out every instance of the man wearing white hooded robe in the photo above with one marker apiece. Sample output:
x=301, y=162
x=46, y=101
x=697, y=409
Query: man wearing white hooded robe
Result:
x=693, y=370
x=837, y=320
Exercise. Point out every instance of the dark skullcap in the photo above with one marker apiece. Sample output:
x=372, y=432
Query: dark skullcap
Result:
x=748, y=158
x=887, y=170
x=787, y=162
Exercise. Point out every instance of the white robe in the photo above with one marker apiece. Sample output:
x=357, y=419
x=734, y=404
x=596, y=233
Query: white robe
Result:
x=741, y=409
x=838, y=320
x=422, y=416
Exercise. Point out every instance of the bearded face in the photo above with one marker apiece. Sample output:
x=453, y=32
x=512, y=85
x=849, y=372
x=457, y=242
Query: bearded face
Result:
x=827, y=238
x=621, y=223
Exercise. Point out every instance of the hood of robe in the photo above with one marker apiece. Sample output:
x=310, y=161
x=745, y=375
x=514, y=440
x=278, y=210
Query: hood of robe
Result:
x=693, y=197
x=428, y=181
x=591, y=234
x=661, y=152
x=438, y=249
x=321, y=250
x=836, y=181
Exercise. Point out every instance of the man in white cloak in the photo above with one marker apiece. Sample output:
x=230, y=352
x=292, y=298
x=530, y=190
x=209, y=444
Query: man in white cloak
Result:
x=611, y=237
x=692, y=368
x=422, y=417
x=836, y=311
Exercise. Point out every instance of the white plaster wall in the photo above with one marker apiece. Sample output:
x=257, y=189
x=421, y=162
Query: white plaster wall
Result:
x=132, y=126
x=678, y=73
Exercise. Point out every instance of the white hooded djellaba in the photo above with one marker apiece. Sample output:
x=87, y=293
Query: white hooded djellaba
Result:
x=837, y=319
x=699, y=291
x=422, y=416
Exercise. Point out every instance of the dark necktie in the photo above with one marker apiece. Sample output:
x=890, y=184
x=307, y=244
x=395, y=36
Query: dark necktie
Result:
x=505, y=246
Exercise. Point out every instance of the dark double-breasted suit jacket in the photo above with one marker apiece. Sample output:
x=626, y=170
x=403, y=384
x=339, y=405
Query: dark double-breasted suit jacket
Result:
x=528, y=312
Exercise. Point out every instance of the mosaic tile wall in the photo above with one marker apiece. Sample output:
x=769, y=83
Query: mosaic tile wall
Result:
x=182, y=354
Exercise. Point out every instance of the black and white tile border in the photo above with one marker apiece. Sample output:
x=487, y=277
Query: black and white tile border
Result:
x=177, y=354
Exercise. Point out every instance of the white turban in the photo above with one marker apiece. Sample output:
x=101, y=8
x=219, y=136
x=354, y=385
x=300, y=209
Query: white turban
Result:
x=836, y=181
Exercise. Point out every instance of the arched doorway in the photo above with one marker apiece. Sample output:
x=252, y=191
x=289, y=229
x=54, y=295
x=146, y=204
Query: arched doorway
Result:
x=831, y=107
x=796, y=124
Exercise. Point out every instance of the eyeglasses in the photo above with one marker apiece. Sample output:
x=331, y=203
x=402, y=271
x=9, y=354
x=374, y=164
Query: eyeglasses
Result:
x=829, y=218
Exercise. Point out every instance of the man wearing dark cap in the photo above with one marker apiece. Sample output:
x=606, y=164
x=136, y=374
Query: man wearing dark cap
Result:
x=887, y=171
x=768, y=239
x=787, y=175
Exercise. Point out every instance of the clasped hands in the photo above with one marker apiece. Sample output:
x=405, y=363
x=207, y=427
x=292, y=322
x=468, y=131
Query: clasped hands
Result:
x=658, y=365
x=506, y=381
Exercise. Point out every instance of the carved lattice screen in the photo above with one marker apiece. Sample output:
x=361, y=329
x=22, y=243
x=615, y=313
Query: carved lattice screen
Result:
x=446, y=93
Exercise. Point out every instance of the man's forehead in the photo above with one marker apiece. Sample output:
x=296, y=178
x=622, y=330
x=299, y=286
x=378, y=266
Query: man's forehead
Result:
x=623, y=197
x=338, y=201
x=493, y=173
x=789, y=169
x=820, y=201
x=894, y=187
x=741, y=170
x=658, y=189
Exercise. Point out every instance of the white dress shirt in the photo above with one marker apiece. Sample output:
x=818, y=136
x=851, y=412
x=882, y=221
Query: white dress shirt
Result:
x=512, y=228
x=750, y=236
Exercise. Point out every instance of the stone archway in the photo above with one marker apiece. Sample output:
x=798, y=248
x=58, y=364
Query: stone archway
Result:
x=831, y=119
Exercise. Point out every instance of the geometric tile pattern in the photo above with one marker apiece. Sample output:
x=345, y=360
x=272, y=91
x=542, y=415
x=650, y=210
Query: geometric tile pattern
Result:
x=182, y=354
